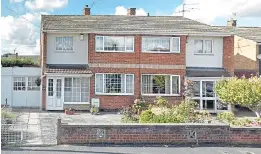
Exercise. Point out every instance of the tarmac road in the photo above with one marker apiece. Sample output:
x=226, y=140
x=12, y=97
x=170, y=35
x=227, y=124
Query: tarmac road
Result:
x=72, y=149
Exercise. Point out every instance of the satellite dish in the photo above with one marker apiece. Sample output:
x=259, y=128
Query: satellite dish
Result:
x=259, y=56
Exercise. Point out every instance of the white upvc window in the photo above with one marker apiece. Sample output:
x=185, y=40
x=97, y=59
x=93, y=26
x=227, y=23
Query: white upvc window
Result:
x=64, y=43
x=31, y=86
x=203, y=46
x=114, y=43
x=76, y=89
x=19, y=83
x=161, y=44
x=157, y=84
x=114, y=84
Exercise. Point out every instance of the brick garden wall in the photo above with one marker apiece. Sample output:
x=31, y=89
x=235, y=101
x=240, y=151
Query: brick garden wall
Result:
x=157, y=134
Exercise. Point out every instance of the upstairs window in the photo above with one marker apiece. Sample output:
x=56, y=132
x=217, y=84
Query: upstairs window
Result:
x=64, y=43
x=203, y=46
x=114, y=43
x=161, y=44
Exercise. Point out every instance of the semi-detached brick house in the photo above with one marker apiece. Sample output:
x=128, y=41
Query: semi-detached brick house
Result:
x=118, y=59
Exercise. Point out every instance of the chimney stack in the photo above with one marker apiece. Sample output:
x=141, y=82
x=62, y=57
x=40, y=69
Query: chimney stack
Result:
x=86, y=10
x=232, y=23
x=131, y=12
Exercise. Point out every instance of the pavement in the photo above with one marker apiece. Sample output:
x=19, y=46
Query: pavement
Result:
x=72, y=149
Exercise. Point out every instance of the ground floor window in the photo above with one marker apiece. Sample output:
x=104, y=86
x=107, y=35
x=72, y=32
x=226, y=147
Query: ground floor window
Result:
x=25, y=83
x=76, y=89
x=204, y=95
x=114, y=83
x=160, y=84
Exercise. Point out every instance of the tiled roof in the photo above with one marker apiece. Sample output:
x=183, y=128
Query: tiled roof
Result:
x=68, y=71
x=206, y=72
x=251, y=33
x=122, y=24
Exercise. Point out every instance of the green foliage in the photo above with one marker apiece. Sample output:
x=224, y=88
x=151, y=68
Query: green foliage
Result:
x=10, y=62
x=201, y=116
x=7, y=115
x=226, y=116
x=139, y=106
x=242, y=91
x=147, y=116
x=160, y=101
x=94, y=110
x=129, y=116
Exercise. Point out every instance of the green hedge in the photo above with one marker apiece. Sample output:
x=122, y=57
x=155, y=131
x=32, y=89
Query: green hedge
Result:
x=10, y=62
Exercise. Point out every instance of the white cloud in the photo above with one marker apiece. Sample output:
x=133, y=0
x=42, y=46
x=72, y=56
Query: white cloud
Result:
x=209, y=10
x=121, y=10
x=16, y=1
x=45, y=4
x=21, y=34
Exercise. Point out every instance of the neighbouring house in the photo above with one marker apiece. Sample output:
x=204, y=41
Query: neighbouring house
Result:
x=18, y=82
x=247, y=45
x=119, y=58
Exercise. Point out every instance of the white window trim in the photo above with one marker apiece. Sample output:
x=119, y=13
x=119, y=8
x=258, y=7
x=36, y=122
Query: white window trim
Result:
x=27, y=79
x=162, y=94
x=126, y=51
x=80, y=92
x=212, y=53
x=171, y=43
x=26, y=84
x=63, y=51
x=99, y=93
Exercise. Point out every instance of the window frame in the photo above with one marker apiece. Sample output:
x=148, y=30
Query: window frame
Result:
x=125, y=51
x=38, y=87
x=66, y=51
x=17, y=81
x=72, y=87
x=204, y=46
x=171, y=75
x=125, y=81
x=171, y=44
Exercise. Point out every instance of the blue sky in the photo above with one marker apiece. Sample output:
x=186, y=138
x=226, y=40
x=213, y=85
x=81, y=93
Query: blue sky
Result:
x=22, y=31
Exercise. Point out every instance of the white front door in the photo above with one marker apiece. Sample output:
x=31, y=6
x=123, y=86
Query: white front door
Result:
x=54, y=93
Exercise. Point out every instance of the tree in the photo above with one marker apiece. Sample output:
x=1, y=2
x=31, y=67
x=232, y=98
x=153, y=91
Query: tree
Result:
x=241, y=91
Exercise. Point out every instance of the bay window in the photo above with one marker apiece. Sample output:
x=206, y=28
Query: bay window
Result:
x=161, y=84
x=76, y=89
x=114, y=84
x=114, y=43
x=161, y=44
x=64, y=43
x=203, y=46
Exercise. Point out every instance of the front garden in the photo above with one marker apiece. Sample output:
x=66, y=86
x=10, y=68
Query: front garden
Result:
x=242, y=91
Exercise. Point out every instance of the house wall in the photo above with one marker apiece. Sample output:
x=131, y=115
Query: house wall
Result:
x=203, y=60
x=19, y=98
x=79, y=55
x=136, y=63
x=245, y=55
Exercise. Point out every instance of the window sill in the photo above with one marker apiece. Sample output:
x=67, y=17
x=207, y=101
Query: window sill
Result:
x=115, y=51
x=207, y=54
x=173, y=95
x=76, y=103
x=64, y=51
x=158, y=52
x=114, y=94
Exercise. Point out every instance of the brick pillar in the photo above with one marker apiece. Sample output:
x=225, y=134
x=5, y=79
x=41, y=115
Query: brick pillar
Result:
x=228, y=54
x=137, y=78
x=43, y=66
x=91, y=48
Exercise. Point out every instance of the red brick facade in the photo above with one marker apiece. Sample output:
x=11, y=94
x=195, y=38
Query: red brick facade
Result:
x=136, y=57
x=228, y=54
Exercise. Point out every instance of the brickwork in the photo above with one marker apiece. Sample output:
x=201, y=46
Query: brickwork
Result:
x=228, y=54
x=158, y=134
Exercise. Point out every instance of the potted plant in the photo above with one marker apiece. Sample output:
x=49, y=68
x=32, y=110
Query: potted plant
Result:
x=94, y=110
x=38, y=81
x=69, y=111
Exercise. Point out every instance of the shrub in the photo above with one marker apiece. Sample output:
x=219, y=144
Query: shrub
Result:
x=160, y=110
x=146, y=116
x=139, y=106
x=201, y=116
x=129, y=115
x=226, y=116
x=7, y=115
x=10, y=62
x=160, y=101
x=241, y=122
